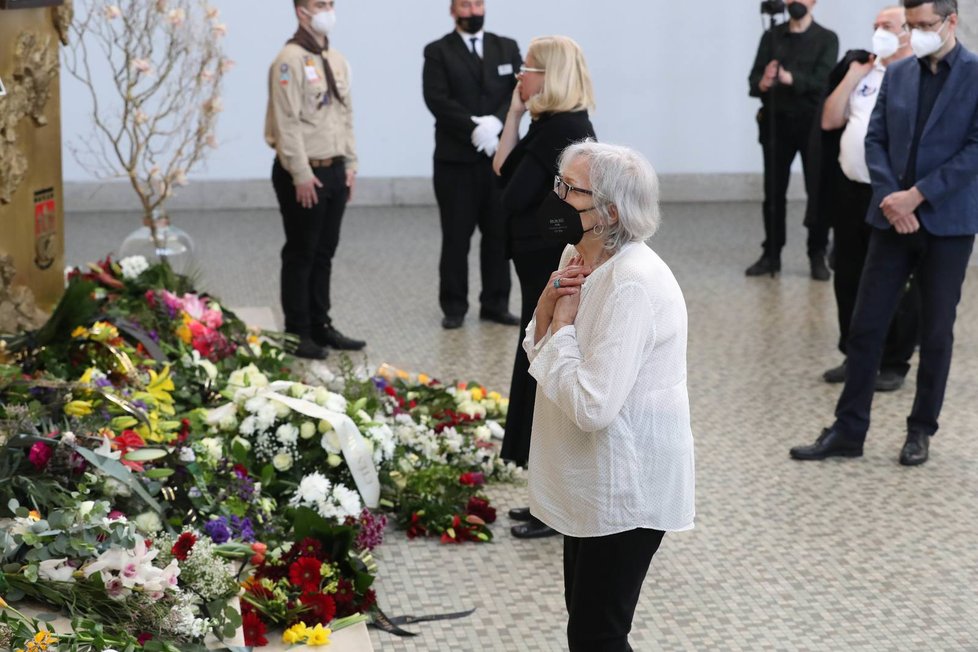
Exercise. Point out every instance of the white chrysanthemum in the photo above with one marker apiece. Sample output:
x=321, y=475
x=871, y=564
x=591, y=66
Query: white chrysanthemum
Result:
x=282, y=461
x=287, y=433
x=133, y=266
x=313, y=488
x=266, y=416
x=248, y=426
x=348, y=501
x=255, y=404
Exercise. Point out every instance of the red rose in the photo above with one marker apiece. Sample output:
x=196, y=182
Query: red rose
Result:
x=416, y=528
x=470, y=479
x=480, y=507
x=181, y=549
x=254, y=630
x=40, y=455
x=321, y=607
x=306, y=574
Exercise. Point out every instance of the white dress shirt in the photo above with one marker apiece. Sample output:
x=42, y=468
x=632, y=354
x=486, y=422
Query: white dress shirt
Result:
x=612, y=448
x=852, y=147
x=467, y=39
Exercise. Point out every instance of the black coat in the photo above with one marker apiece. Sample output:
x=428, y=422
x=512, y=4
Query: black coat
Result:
x=823, y=174
x=456, y=88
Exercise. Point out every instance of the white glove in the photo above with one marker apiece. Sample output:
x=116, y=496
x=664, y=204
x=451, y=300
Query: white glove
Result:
x=485, y=136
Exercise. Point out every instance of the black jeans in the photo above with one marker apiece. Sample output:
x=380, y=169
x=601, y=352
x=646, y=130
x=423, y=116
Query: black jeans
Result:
x=791, y=134
x=468, y=196
x=533, y=269
x=850, y=244
x=939, y=263
x=603, y=577
x=311, y=236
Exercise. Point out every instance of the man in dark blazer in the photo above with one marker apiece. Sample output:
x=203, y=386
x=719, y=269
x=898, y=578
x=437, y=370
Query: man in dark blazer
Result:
x=469, y=76
x=922, y=152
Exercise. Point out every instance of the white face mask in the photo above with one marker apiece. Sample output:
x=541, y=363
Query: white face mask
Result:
x=927, y=43
x=885, y=43
x=323, y=22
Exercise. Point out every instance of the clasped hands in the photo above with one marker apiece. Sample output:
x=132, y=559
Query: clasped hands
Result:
x=773, y=71
x=898, y=209
x=559, y=302
x=485, y=136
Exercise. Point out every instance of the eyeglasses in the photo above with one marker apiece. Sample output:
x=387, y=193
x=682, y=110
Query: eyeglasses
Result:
x=926, y=27
x=561, y=187
x=524, y=70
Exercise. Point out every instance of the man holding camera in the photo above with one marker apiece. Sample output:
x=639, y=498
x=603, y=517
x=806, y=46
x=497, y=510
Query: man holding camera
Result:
x=922, y=153
x=789, y=75
x=857, y=80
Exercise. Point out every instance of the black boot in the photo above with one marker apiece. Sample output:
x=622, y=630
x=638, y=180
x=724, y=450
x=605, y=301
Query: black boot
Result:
x=820, y=272
x=764, y=265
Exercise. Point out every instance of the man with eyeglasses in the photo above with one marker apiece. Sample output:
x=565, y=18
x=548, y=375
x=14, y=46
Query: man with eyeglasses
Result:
x=922, y=153
x=789, y=75
x=469, y=76
x=845, y=191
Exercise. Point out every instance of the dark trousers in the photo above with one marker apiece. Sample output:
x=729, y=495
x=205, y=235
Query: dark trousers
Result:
x=533, y=269
x=468, y=196
x=791, y=134
x=850, y=244
x=311, y=236
x=939, y=264
x=603, y=577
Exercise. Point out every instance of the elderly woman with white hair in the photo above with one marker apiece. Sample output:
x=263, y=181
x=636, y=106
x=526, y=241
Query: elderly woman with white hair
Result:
x=611, y=457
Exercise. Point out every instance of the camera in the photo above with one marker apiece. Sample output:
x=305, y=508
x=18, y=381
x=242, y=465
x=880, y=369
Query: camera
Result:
x=773, y=7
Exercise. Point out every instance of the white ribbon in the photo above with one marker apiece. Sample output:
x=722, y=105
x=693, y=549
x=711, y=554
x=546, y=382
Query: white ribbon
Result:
x=357, y=454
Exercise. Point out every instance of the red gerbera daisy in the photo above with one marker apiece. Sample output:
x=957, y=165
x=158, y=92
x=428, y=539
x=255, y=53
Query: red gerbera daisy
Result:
x=254, y=630
x=321, y=607
x=181, y=549
x=306, y=574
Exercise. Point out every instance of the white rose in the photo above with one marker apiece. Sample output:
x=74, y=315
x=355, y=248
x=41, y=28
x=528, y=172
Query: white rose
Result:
x=212, y=448
x=307, y=429
x=331, y=442
x=282, y=411
x=282, y=462
x=482, y=433
x=325, y=426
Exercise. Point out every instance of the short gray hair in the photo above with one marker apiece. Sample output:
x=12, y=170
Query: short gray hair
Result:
x=623, y=178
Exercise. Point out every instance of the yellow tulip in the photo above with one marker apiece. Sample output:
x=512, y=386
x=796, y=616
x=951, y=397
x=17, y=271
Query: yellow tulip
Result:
x=477, y=394
x=78, y=408
x=3, y=603
x=424, y=379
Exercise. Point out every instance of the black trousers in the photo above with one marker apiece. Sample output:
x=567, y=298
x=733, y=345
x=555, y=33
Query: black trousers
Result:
x=533, y=269
x=851, y=242
x=939, y=263
x=603, y=577
x=311, y=236
x=791, y=134
x=468, y=196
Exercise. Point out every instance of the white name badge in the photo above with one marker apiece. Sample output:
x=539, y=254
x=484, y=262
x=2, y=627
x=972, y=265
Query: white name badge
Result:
x=505, y=69
x=312, y=74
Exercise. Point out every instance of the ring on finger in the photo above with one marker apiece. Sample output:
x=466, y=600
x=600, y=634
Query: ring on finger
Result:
x=557, y=283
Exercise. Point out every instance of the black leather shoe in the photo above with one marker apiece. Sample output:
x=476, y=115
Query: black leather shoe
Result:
x=916, y=449
x=818, y=268
x=309, y=350
x=450, y=322
x=830, y=443
x=328, y=336
x=533, y=529
x=835, y=374
x=520, y=514
x=764, y=266
x=505, y=318
x=888, y=381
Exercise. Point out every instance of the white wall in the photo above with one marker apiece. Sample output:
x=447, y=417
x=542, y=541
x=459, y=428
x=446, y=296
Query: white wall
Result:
x=670, y=76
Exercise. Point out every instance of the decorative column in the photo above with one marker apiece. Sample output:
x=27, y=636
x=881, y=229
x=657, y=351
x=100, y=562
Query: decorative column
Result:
x=31, y=198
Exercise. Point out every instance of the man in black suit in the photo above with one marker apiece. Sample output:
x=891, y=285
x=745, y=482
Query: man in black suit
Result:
x=469, y=76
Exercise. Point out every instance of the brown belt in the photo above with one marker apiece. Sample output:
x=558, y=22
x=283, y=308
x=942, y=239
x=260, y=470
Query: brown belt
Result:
x=325, y=162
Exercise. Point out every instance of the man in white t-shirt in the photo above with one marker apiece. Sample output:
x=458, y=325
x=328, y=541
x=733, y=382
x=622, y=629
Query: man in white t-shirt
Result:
x=849, y=108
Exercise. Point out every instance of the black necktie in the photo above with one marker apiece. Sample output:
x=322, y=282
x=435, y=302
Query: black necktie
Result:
x=475, y=52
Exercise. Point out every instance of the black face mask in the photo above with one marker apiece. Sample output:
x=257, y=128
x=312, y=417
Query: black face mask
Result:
x=797, y=10
x=471, y=25
x=561, y=222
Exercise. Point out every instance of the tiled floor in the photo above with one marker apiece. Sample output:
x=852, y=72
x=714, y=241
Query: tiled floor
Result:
x=841, y=555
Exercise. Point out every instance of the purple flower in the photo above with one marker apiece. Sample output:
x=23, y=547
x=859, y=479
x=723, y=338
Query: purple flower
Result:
x=242, y=529
x=371, y=532
x=217, y=530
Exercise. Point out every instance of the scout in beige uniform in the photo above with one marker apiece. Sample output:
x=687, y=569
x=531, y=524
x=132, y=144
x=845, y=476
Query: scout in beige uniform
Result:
x=309, y=123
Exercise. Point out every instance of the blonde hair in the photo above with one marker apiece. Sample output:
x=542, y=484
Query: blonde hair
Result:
x=567, y=82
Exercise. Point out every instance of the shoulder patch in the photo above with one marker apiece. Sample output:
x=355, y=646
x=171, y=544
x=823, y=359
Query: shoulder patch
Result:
x=283, y=74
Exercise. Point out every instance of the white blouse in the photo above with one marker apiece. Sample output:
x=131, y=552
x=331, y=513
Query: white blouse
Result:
x=612, y=448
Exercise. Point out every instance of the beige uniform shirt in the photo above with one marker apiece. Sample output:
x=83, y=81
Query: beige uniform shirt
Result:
x=299, y=124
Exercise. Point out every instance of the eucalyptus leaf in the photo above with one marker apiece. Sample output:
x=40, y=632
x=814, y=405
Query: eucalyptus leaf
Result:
x=145, y=454
x=118, y=471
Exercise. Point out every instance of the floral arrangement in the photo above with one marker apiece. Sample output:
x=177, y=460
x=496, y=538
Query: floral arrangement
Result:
x=157, y=459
